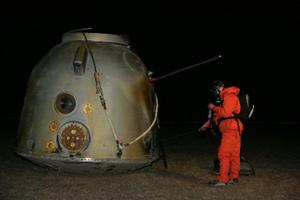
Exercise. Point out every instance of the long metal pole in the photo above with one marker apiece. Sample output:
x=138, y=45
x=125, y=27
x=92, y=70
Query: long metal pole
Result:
x=187, y=68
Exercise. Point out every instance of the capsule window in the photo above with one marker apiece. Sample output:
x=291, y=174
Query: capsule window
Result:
x=65, y=103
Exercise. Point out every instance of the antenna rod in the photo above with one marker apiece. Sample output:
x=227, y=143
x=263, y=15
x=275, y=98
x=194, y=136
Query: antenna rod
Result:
x=187, y=68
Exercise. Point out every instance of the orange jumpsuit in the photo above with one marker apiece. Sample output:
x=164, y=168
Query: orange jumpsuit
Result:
x=231, y=129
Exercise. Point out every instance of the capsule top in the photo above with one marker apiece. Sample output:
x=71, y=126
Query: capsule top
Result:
x=95, y=37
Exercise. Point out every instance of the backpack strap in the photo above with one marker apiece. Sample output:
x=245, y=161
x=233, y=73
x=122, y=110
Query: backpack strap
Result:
x=232, y=117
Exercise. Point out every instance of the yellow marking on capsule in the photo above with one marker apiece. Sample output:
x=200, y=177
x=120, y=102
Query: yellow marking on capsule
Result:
x=50, y=146
x=53, y=126
x=87, y=108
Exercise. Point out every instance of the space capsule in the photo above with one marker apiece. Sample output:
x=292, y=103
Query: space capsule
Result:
x=89, y=105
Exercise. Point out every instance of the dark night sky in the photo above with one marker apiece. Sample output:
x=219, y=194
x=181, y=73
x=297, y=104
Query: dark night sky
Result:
x=259, y=43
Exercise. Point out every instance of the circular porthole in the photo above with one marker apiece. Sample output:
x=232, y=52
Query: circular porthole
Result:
x=65, y=103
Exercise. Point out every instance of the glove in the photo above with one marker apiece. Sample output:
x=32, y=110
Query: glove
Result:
x=202, y=129
x=210, y=106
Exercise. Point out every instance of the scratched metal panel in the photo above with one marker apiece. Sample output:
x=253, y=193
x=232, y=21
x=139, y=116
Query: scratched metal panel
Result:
x=126, y=89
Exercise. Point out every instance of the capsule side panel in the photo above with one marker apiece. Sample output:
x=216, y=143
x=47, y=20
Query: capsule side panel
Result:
x=127, y=92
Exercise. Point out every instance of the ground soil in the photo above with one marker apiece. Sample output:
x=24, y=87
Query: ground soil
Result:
x=272, y=149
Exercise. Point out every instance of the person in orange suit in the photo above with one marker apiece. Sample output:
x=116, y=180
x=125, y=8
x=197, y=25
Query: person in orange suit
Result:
x=231, y=129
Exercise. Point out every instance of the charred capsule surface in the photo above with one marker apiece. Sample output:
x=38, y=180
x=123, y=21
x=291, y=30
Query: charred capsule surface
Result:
x=86, y=98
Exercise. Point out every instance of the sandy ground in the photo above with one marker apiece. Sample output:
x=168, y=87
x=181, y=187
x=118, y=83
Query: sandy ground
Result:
x=273, y=150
